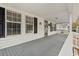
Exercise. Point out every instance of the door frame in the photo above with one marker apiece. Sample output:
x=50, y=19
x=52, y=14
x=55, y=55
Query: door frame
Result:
x=45, y=28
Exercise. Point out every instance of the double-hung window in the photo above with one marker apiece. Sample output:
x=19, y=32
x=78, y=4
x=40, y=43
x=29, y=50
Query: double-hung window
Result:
x=29, y=24
x=13, y=23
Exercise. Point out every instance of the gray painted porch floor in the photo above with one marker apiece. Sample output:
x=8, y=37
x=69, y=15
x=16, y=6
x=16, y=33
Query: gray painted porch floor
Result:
x=48, y=46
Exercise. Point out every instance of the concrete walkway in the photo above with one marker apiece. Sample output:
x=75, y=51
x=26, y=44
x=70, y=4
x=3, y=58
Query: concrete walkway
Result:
x=49, y=46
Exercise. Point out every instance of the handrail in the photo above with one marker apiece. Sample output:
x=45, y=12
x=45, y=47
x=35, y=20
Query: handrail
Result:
x=67, y=47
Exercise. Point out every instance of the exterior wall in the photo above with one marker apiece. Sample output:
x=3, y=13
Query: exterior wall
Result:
x=49, y=32
x=23, y=37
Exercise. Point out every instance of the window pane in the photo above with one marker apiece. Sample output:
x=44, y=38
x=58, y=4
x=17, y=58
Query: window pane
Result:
x=13, y=28
x=18, y=30
x=9, y=15
x=19, y=17
x=27, y=28
x=13, y=16
x=9, y=28
x=9, y=18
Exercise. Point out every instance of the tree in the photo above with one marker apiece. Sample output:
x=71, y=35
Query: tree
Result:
x=75, y=25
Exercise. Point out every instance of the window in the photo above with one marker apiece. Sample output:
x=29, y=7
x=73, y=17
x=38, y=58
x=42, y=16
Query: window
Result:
x=29, y=24
x=13, y=23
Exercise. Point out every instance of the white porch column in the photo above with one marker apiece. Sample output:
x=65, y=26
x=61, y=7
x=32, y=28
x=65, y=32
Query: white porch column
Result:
x=67, y=49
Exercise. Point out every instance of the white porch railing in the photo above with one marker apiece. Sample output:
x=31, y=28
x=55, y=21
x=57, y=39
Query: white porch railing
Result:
x=67, y=47
x=75, y=44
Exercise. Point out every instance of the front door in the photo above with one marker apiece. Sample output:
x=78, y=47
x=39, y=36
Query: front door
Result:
x=2, y=22
x=45, y=28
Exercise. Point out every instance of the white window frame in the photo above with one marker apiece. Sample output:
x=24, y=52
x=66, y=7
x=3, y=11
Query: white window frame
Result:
x=6, y=21
x=32, y=18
